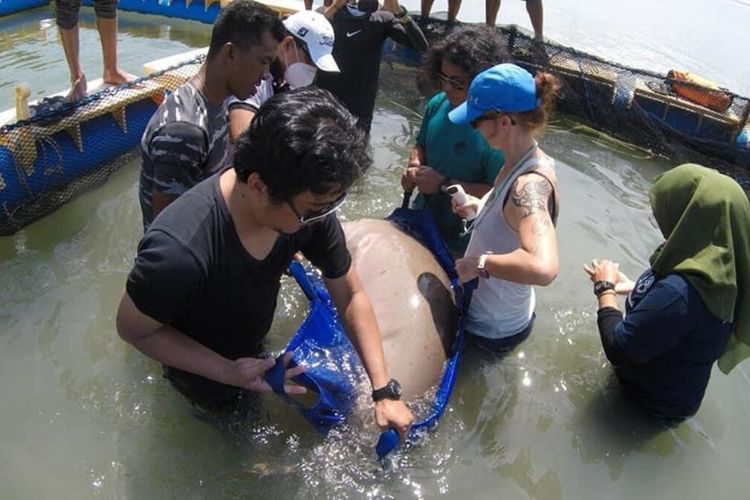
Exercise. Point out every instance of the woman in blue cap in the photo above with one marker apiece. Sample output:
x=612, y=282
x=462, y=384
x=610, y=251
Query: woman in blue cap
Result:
x=513, y=244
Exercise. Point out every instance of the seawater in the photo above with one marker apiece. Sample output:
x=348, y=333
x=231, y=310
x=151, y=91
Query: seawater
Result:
x=84, y=415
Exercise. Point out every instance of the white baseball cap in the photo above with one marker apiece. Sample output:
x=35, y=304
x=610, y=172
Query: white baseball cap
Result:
x=317, y=33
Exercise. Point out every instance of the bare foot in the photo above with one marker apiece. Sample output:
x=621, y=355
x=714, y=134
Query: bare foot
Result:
x=538, y=51
x=117, y=77
x=77, y=89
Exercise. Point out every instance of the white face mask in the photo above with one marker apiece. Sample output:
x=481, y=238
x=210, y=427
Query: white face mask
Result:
x=299, y=75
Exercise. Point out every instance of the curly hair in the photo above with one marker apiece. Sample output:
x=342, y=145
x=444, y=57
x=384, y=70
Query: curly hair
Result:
x=300, y=140
x=471, y=48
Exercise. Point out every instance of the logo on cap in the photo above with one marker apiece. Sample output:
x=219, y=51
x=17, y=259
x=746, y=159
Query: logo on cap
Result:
x=302, y=32
x=326, y=40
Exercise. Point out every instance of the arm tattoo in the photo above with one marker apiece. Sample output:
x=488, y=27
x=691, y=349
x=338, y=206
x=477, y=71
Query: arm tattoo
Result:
x=532, y=198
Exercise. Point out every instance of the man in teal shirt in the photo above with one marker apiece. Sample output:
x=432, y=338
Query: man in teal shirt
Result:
x=446, y=153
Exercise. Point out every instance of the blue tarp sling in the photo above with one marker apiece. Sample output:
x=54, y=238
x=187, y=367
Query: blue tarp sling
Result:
x=332, y=366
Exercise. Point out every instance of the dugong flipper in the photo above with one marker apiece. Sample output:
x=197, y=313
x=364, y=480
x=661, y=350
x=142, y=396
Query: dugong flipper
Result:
x=412, y=299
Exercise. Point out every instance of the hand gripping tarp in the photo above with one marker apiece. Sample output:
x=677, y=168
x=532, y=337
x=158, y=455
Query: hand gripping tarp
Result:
x=330, y=361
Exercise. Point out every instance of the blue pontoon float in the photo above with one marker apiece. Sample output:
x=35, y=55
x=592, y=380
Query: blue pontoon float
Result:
x=57, y=153
x=8, y=7
x=204, y=11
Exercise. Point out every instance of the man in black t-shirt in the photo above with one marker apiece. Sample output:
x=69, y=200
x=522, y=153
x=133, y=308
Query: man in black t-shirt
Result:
x=201, y=296
x=358, y=47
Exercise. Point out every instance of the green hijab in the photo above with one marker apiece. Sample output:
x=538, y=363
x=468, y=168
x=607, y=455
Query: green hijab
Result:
x=704, y=217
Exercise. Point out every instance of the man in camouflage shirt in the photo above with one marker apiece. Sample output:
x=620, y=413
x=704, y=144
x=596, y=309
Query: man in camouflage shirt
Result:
x=186, y=139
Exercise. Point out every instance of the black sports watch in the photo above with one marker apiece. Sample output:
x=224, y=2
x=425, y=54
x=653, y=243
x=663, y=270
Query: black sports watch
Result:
x=602, y=286
x=391, y=390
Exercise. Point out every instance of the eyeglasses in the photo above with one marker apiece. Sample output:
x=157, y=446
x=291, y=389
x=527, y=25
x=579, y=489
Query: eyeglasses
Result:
x=475, y=123
x=457, y=85
x=318, y=214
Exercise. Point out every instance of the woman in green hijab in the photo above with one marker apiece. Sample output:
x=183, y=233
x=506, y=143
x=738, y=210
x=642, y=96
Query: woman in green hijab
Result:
x=691, y=306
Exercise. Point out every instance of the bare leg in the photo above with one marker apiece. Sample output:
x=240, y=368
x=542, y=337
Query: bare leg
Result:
x=108, y=36
x=70, y=45
x=453, y=7
x=491, y=7
x=426, y=8
x=536, y=15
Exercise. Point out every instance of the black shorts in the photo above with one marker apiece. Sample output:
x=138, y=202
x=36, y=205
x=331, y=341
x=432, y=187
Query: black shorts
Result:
x=207, y=394
x=500, y=346
x=66, y=11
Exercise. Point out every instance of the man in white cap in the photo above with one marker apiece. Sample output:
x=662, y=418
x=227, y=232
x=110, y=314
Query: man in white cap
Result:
x=306, y=48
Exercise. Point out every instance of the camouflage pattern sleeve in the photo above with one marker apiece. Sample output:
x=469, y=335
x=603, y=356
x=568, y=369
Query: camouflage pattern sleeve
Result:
x=177, y=151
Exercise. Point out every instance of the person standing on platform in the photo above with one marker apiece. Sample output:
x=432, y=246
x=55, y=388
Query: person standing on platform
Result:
x=66, y=16
x=534, y=8
x=453, y=8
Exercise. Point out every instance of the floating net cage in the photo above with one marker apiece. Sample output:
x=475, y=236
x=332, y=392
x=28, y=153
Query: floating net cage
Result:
x=66, y=148
x=638, y=106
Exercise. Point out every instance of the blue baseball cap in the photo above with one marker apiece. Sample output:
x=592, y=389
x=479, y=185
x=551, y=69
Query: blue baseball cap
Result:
x=505, y=87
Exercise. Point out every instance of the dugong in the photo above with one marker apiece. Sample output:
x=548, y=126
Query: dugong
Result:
x=412, y=298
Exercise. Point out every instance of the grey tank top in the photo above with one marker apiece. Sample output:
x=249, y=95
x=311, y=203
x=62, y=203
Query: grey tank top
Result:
x=501, y=308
